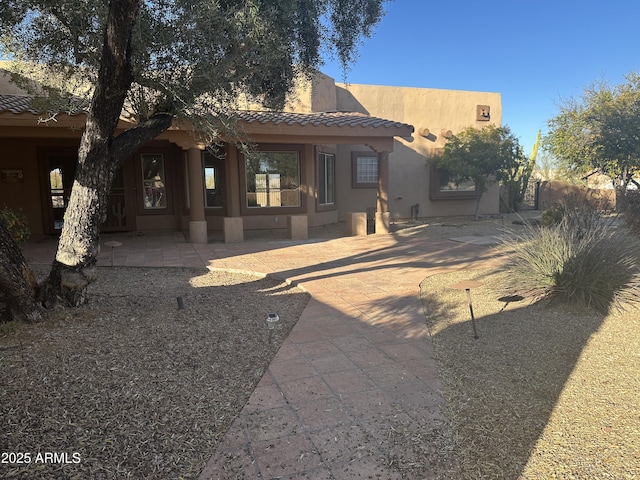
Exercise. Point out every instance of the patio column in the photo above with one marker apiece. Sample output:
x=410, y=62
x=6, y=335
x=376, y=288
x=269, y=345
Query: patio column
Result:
x=197, y=223
x=233, y=224
x=383, y=216
x=233, y=182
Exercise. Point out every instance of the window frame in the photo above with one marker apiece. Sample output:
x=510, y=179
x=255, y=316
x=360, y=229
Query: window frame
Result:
x=218, y=164
x=436, y=193
x=167, y=160
x=271, y=210
x=354, y=169
x=320, y=206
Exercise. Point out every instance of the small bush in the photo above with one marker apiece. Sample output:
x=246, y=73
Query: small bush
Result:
x=17, y=224
x=552, y=216
x=631, y=212
x=579, y=214
x=582, y=217
x=580, y=261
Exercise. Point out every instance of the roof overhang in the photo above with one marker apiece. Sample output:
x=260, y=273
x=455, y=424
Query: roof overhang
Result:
x=17, y=119
x=323, y=127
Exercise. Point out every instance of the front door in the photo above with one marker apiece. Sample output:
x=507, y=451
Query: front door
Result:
x=59, y=171
x=117, y=219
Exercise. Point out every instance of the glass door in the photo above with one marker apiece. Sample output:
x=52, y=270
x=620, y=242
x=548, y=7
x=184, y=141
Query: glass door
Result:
x=61, y=172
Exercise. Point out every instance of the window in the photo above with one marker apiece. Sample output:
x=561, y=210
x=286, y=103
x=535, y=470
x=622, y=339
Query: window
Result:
x=153, y=181
x=364, y=170
x=57, y=191
x=326, y=178
x=213, y=182
x=447, y=183
x=273, y=179
x=443, y=186
x=58, y=197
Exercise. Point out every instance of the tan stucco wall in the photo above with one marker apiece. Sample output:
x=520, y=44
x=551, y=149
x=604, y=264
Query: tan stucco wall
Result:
x=6, y=87
x=557, y=193
x=261, y=221
x=23, y=154
x=318, y=95
x=351, y=199
x=433, y=109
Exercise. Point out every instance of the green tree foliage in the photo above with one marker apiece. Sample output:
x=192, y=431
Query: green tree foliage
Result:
x=549, y=168
x=192, y=59
x=600, y=132
x=161, y=62
x=492, y=154
x=16, y=223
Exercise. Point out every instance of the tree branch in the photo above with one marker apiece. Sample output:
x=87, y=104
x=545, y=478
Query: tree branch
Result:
x=133, y=138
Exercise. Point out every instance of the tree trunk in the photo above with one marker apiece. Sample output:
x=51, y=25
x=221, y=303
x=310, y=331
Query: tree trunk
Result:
x=75, y=264
x=18, y=287
x=478, y=198
x=99, y=157
x=74, y=267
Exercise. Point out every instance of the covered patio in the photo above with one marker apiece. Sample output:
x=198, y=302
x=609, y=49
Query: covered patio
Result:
x=312, y=133
x=179, y=183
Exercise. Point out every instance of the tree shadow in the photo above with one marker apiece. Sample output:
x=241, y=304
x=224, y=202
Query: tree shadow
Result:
x=416, y=254
x=132, y=359
x=502, y=388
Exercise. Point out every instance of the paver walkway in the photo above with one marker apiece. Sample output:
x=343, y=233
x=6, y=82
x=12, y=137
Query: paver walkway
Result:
x=358, y=365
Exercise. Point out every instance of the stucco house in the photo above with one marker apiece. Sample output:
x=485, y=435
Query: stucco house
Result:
x=336, y=152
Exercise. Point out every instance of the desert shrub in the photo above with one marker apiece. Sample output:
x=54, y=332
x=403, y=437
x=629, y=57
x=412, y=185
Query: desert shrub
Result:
x=585, y=262
x=17, y=224
x=579, y=215
x=583, y=217
x=631, y=211
x=552, y=216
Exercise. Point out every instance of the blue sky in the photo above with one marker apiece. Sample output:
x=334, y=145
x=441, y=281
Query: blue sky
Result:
x=534, y=53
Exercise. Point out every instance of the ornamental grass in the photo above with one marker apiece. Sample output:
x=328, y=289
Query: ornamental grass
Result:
x=585, y=259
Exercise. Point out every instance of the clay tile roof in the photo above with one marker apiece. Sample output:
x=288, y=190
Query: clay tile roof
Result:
x=328, y=119
x=21, y=104
x=16, y=104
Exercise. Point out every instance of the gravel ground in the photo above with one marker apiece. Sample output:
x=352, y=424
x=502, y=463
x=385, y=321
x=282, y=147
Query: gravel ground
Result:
x=130, y=386
x=545, y=392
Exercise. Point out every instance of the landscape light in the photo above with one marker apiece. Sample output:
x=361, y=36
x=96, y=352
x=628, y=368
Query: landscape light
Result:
x=272, y=319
